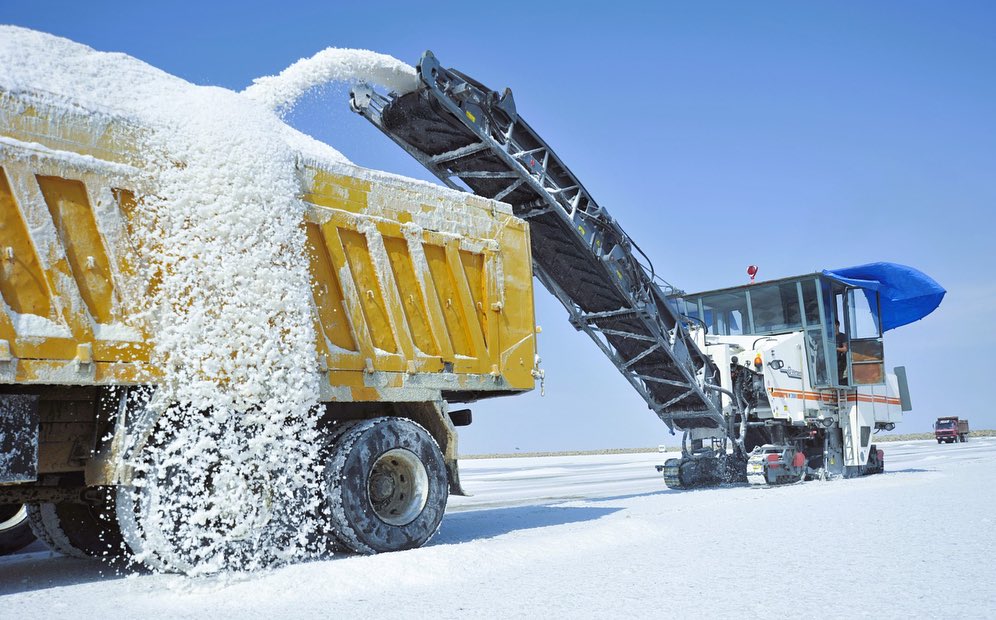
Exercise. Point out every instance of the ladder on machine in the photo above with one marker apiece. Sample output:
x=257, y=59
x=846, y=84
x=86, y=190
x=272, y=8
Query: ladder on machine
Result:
x=473, y=139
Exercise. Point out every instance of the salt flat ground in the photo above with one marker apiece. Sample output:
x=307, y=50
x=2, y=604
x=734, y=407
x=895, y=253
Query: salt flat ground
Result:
x=600, y=536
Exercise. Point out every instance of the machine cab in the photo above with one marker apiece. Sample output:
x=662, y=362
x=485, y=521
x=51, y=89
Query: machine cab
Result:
x=842, y=323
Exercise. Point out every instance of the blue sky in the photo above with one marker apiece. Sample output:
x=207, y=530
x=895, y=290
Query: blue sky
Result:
x=794, y=136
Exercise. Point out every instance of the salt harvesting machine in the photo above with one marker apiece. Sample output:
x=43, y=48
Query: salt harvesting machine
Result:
x=758, y=379
x=422, y=301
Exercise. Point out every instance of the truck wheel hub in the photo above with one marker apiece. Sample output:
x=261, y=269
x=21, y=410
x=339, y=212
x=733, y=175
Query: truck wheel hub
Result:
x=398, y=487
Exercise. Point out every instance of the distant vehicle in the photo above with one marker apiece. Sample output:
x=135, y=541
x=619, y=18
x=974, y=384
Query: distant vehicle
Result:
x=951, y=429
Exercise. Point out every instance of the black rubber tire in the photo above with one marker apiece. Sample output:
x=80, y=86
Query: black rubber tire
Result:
x=874, y=465
x=15, y=531
x=158, y=528
x=79, y=530
x=352, y=517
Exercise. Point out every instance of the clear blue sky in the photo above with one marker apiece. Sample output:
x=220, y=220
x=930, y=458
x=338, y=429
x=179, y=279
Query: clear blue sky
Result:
x=795, y=136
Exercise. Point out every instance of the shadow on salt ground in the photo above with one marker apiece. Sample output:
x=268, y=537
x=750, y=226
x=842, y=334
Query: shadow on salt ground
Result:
x=25, y=572
x=616, y=498
x=464, y=527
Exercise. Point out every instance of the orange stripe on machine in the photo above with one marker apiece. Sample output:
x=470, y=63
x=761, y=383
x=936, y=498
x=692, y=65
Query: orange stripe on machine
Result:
x=817, y=396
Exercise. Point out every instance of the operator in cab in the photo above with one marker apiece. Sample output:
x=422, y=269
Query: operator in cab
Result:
x=841, y=354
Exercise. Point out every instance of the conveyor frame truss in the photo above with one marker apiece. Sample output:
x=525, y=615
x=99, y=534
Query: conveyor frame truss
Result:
x=472, y=138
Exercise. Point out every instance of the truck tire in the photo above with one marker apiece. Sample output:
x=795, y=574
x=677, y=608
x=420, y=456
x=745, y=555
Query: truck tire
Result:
x=385, y=486
x=78, y=530
x=170, y=486
x=15, y=531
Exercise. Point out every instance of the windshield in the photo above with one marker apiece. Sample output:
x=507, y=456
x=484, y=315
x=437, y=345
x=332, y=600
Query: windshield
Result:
x=946, y=424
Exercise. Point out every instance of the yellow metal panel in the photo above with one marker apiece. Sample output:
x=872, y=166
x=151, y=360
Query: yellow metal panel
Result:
x=338, y=191
x=490, y=312
x=517, y=318
x=74, y=222
x=31, y=343
x=412, y=303
x=427, y=289
x=389, y=289
x=22, y=281
x=369, y=289
x=128, y=205
x=467, y=305
x=352, y=303
x=449, y=299
x=328, y=295
x=473, y=268
x=26, y=117
x=117, y=351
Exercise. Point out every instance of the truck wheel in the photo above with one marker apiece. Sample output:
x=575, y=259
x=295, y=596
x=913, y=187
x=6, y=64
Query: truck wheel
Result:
x=79, y=530
x=385, y=486
x=15, y=531
x=178, y=513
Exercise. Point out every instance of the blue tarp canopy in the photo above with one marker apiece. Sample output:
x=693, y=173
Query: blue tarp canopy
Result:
x=905, y=294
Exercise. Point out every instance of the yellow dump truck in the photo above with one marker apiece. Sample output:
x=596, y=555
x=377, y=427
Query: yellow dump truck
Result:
x=422, y=299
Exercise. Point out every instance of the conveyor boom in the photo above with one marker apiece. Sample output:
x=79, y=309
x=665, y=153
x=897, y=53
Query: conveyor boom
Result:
x=472, y=138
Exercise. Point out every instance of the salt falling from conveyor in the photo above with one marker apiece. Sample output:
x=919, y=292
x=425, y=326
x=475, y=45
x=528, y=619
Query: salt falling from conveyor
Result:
x=231, y=315
x=280, y=92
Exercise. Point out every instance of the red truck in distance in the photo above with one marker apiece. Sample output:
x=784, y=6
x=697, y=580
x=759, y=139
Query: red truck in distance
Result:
x=951, y=430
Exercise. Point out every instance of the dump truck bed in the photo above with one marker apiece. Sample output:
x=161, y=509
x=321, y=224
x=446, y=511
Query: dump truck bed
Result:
x=419, y=292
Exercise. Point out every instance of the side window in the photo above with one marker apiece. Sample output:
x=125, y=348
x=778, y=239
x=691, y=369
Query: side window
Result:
x=815, y=353
x=866, y=352
x=863, y=317
x=819, y=372
x=841, y=341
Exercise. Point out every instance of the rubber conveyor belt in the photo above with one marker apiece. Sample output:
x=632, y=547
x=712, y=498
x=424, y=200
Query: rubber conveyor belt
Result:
x=472, y=138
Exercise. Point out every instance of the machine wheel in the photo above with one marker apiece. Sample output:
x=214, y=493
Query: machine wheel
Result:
x=79, y=530
x=671, y=469
x=876, y=461
x=385, y=486
x=15, y=531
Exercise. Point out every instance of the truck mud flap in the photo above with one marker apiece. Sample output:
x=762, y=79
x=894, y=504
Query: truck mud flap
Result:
x=18, y=438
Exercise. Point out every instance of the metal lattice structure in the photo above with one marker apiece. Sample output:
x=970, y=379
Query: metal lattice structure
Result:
x=472, y=138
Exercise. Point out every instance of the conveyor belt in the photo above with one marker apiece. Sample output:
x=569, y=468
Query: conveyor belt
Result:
x=473, y=139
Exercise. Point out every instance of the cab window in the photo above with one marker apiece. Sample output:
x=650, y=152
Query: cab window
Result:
x=726, y=313
x=775, y=308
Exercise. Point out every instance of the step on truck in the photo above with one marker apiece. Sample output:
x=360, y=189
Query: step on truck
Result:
x=421, y=297
x=951, y=429
x=767, y=383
